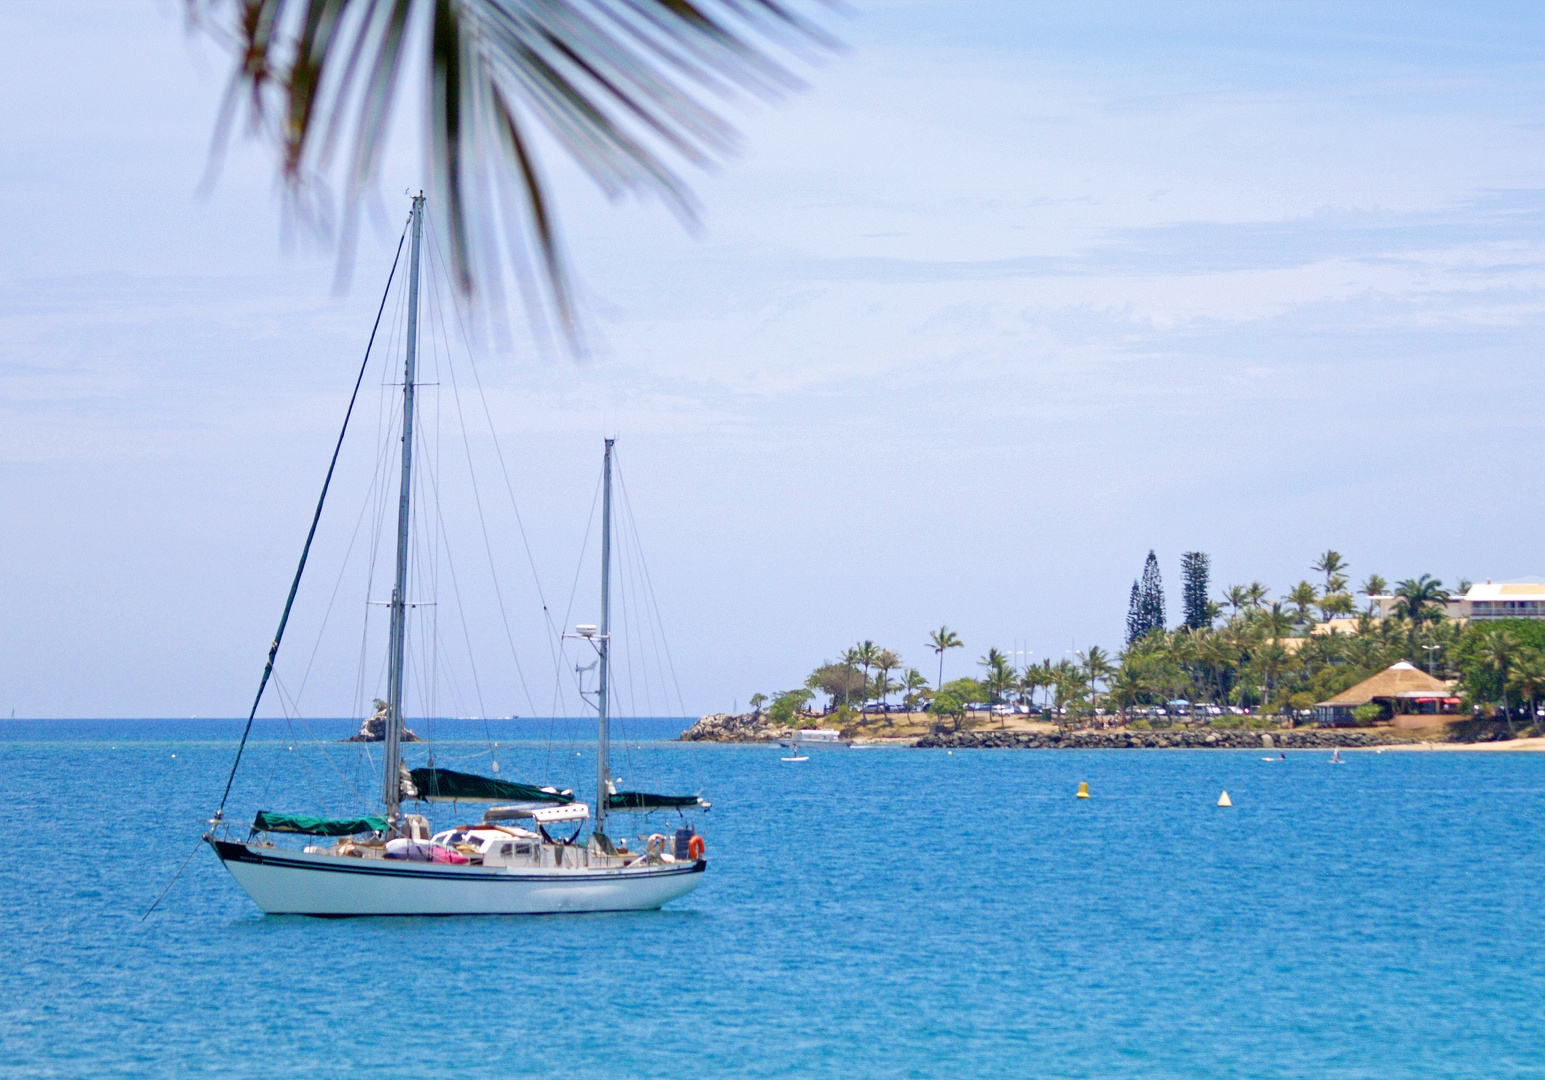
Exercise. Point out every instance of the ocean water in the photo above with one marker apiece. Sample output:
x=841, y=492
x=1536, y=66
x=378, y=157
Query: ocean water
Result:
x=869, y=913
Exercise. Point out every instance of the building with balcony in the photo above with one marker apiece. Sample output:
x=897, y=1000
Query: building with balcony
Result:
x=1504, y=601
x=1500, y=600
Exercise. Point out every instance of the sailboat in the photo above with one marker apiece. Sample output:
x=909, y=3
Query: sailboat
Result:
x=513, y=861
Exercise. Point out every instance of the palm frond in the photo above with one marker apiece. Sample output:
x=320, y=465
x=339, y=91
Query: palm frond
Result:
x=627, y=88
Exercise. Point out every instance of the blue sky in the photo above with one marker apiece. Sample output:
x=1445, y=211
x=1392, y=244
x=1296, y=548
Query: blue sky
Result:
x=1008, y=296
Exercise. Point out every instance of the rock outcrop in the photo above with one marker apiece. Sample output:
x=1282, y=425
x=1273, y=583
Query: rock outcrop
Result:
x=1187, y=739
x=374, y=728
x=750, y=727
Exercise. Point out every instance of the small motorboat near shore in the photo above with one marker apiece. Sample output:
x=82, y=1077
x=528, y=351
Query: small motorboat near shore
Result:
x=807, y=738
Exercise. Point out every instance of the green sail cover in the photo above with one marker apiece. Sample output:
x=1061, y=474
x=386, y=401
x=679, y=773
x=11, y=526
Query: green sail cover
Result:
x=642, y=800
x=316, y=826
x=444, y=785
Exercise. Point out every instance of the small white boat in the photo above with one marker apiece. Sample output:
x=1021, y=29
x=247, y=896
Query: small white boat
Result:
x=807, y=738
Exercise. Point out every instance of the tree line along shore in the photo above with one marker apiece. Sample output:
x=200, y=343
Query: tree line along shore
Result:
x=1238, y=659
x=756, y=728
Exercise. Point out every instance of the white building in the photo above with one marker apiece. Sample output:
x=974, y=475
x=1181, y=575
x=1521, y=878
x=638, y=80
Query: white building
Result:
x=1502, y=600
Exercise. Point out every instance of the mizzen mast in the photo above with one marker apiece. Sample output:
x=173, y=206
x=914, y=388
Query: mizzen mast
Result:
x=604, y=647
x=392, y=765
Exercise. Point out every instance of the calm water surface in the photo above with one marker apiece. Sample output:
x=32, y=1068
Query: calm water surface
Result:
x=870, y=913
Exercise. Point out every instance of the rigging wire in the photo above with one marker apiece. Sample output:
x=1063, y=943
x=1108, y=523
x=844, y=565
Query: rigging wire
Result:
x=649, y=586
x=386, y=408
x=563, y=651
x=555, y=634
x=300, y=569
x=477, y=497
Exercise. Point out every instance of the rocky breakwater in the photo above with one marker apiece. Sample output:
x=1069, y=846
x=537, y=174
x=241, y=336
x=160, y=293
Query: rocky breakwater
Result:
x=1189, y=739
x=732, y=728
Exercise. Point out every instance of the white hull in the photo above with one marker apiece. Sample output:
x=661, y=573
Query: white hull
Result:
x=287, y=882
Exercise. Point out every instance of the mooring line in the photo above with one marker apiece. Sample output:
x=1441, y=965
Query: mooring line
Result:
x=175, y=876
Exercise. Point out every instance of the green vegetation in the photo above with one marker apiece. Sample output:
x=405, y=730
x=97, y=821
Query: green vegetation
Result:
x=1248, y=652
x=1145, y=611
x=786, y=707
x=1195, y=570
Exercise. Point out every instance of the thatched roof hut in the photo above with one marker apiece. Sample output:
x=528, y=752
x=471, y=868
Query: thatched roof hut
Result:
x=1405, y=687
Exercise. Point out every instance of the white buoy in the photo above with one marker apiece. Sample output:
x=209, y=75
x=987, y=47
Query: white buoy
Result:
x=1224, y=800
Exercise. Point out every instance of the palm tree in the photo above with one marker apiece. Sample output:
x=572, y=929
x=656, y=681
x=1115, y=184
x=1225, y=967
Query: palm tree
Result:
x=1528, y=676
x=1001, y=680
x=1417, y=599
x=1029, y=683
x=1000, y=674
x=853, y=661
x=1271, y=660
x=885, y=662
x=1277, y=622
x=1047, y=676
x=1255, y=594
x=1303, y=597
x=1097, y=666
x=1236, y=597
x=1374, y=586
x=1331, y=564
x=1497, y=651
x=1214, y=656
x=621, y=87
x=1070, y=688
x=865, y=653
x=914, y=683
x=942, y=639
x=1124, y=688
x=994, y=659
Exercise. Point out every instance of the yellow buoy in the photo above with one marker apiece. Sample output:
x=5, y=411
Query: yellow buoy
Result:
x=1224, y=800
x=1083, y=789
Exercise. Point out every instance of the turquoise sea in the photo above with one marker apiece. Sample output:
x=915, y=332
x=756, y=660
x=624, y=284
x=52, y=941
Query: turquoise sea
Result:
x=869, y=913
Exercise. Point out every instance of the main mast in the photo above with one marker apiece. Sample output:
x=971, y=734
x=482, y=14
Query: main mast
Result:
x=392, y=766
x=603, y=727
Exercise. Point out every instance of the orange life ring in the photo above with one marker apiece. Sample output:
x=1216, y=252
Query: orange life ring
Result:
x=695, y=847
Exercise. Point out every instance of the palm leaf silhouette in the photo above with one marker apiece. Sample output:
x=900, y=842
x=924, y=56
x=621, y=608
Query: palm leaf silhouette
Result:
x=620, y=85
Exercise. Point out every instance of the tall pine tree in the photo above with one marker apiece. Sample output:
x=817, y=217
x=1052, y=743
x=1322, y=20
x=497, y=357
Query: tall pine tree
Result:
x=1151, y=602
x=1145, y=610
x=1194, y=571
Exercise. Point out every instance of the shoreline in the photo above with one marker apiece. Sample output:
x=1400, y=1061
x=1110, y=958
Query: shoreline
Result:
x=1019, y=733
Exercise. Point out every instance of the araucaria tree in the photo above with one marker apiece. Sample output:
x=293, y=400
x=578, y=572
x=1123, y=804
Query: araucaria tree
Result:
x=1135, y=613
x=1194, y=572
x=1145, y=613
